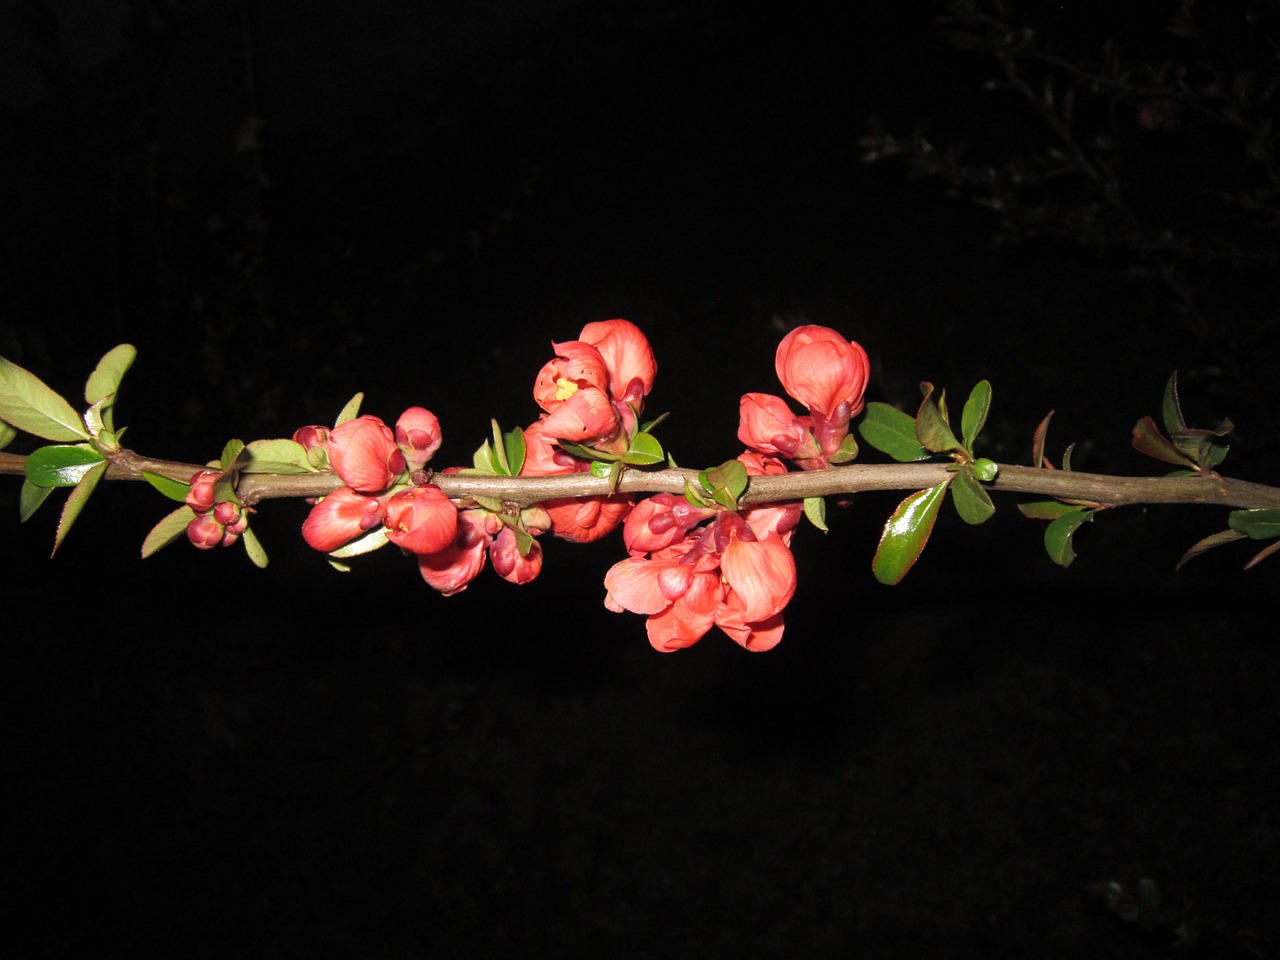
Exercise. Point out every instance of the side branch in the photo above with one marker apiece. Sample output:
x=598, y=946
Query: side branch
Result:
x=1095, y=488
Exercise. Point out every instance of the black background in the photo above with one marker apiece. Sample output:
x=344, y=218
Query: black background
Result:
x=210, y=760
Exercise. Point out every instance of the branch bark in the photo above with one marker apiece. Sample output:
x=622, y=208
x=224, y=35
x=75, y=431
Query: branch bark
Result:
x=1103, y=489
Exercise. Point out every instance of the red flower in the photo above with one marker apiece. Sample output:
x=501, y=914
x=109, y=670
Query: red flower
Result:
x=418, y=436
x=824, y=371
x=452, y=569
x=579, y=519
x=339, y=518
x=364, y=454
x=421, y=519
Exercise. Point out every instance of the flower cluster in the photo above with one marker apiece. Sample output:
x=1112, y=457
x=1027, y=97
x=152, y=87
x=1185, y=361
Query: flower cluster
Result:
x=828, y=375
x=695, y=563
x=217, y=522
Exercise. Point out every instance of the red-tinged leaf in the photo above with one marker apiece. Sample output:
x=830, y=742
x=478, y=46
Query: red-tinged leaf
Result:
x=1262, y=555
x=932, y=429
x=76, y=500
x=1148, y=439
x=1038, y=441
x=30, y=499
x=906, y=533
x=1208, y=543
x=167, y=530
x=1171, y=407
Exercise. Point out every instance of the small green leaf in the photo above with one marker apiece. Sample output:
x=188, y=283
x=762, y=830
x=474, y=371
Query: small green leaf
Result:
x=615, y=476
x=30, y=498
x=27, y=403
x=60, y=466
x=600, y=469
x=586, y=453
x=351, y=410
x=253, y=547
x=891, y=431
x=106, y=376
x=7, y=434
x=696, y=496
x=1255, y=524
x=848, y=450
x=340, y=567
x=276, y=456
x=815, y=509
x=484, y=461
x=971, y=501
x=167, y=530
x=906, y=533
x=499, y=449
x=1057, y=536
x=644, y=451
x=173, y=489
x=231, y=454
x=974, y=415
x=373, y=540
x=76, y=500
x=515, y=447
x=726, y=483
x=1046, y=509
x=932, y=429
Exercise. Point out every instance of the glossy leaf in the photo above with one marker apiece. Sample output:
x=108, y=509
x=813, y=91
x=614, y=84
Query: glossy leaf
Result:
x=173, y=489
x=891, y=431
x=644, y=451
x=276, y=456
x=60, y=466
x=906, y=533
x=972, y=502
x=76, y=500
x=1255, y=524
x=974, y=415
x=1057, y=536
x=28, y=404
x=167, y=530
x=932, y=429
x=106, y=376
x=515, y=447
x=30, y=499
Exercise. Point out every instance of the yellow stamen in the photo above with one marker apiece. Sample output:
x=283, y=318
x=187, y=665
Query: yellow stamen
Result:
x=565, y=388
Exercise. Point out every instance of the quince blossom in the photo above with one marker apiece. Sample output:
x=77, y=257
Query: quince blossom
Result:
x=582, y=519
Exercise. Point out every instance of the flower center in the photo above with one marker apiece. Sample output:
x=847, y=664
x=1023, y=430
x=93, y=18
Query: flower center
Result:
x=565, y=388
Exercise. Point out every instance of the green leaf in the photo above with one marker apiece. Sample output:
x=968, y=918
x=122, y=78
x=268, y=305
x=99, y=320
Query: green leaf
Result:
x=971, y=501
x=173, y=489
x=253, y=547
x=167, y=530
x=7, y=434
x=815, y=509
x=375, y=538
x=1057, y=536
x=1171, y=408
x=974, y=415
x=1208, y=543
x=515, y=450
x=906, y=533
x=484, y=460
x=231, y=453
x=351, y=410
x=76, y=500
x=30, y=498
x=28, y=404
x=60, y=466
x=644, y=451
x=848, y=450
x=1255, y=524
x=726, y=483
x=587, y=453
x=106, y=376
x=499, y=450
x=1046, y=509
x=932, y=429
x=891, y=431
x=276, y=456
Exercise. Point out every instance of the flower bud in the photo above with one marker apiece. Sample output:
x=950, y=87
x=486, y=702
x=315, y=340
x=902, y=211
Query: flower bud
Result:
x=418, y=436
x=507, y=561
x=364, y=454
x=200, y=496
x=205, y=532
x=821, y=369
x=421, y=519
x=315, y=440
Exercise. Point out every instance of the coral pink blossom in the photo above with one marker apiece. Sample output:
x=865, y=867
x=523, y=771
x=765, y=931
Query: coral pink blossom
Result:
x=824, y=371
x=581, y=520
x=418, y=436
x=452, y=569
x=339, y=518
x=626, y=353
x=421, y=519
x=364, y=454
x=766, y=424
x=659, y=521
x=725, y=576
x=507, y=561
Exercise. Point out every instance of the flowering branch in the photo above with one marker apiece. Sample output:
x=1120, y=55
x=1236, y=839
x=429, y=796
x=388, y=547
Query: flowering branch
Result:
x=708, y=548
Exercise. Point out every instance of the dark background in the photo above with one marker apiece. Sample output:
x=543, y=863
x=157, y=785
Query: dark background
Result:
x=280, y=205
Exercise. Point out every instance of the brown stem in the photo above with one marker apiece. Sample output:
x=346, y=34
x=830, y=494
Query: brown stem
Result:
x=1068, y=485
